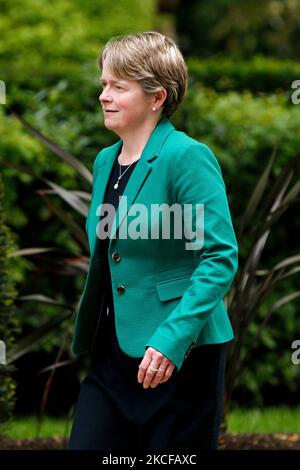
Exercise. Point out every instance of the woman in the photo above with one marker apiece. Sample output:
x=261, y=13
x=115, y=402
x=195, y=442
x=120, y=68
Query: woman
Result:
x=152, y=313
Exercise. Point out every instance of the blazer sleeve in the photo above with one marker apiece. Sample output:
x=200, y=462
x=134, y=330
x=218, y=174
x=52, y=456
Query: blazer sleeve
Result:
x=198, y=180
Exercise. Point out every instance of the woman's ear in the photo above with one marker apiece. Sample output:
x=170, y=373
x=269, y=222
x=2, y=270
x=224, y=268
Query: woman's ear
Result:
x=160, y=97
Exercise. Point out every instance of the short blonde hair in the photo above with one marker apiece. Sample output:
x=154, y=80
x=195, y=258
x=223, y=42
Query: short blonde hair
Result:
x=151, y=58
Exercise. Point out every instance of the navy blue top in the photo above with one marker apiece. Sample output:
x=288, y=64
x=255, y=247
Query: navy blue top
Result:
x=107, y=329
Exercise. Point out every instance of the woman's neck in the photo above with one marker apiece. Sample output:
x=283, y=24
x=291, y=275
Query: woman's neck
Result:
x=134, y=143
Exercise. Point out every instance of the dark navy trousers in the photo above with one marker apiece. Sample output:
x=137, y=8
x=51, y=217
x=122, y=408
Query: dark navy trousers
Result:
x=115, y=412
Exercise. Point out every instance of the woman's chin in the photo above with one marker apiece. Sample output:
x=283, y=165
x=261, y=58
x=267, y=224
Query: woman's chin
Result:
x=109, y=124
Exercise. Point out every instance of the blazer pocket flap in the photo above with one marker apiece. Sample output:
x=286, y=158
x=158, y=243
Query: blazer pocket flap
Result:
x=172, y=288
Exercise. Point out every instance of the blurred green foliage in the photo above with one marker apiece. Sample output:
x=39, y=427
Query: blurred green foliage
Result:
x=9, y=323
x=43, y=42
x=241, y=109
x=239, y=27
x=257, y=74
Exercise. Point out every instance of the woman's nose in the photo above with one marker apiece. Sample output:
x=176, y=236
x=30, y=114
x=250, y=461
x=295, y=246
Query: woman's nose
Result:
x=104, y=96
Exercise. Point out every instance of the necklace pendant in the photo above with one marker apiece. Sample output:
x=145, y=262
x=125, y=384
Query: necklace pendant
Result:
x=116, y=186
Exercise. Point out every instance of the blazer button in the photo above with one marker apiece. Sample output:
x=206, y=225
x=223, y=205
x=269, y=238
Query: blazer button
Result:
x=121, y=289
x=116, y=257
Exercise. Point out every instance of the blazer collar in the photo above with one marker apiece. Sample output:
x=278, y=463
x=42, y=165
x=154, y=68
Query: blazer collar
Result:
x=152, y=147
x=137, y=180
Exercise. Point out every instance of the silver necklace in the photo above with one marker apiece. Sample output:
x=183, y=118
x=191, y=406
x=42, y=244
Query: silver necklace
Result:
x=116, y=185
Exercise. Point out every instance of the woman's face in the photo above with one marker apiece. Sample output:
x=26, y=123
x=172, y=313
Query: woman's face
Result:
x=124, y=103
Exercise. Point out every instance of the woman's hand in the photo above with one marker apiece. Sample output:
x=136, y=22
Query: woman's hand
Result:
x=156, y=360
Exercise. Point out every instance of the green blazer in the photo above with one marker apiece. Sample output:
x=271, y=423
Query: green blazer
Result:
x=165, y=295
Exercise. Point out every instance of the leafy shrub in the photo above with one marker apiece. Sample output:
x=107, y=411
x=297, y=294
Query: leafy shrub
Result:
x=8, y=322
x=257, y=74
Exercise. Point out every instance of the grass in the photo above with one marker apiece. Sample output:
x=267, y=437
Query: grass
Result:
x=268, y=420
x=26, y=427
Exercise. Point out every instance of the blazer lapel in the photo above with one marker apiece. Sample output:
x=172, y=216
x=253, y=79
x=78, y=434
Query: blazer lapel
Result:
x=133, y=187
x=135, y=183
x=99, y=188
